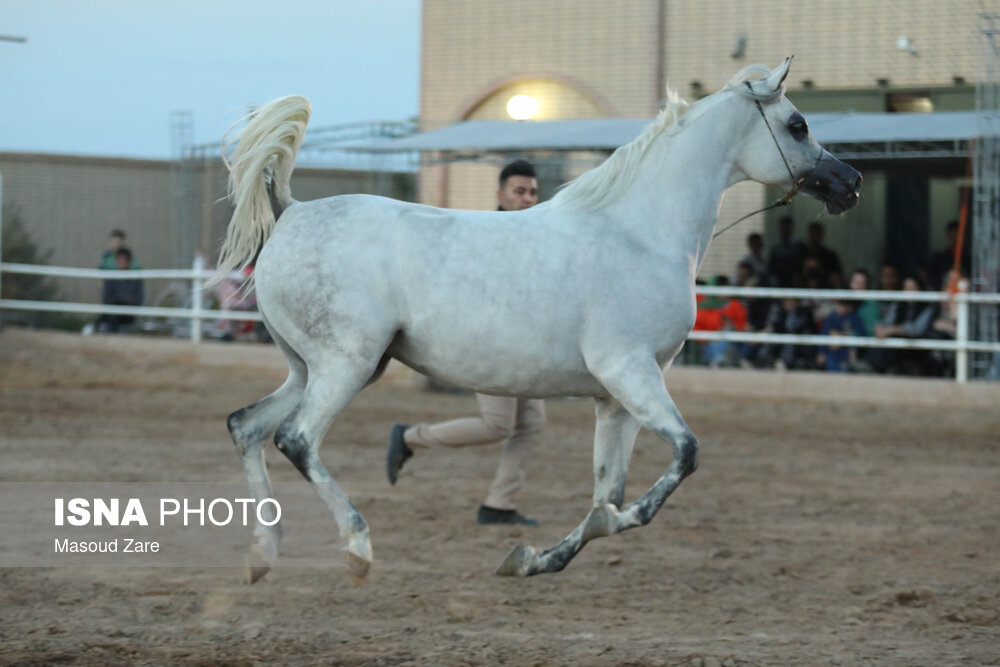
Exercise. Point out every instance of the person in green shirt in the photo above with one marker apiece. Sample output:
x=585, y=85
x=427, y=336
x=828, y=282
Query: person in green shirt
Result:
x=868, y=309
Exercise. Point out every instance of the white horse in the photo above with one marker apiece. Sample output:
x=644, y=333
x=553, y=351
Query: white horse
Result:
x=588, y=294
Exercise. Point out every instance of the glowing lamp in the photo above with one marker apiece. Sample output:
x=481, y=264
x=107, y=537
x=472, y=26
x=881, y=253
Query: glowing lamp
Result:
x=522, y=107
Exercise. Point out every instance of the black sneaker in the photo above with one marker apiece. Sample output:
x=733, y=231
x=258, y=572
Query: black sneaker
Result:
x=397, y=453
x=491, y=515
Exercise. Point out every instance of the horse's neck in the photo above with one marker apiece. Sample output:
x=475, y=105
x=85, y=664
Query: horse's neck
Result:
x=679, y=185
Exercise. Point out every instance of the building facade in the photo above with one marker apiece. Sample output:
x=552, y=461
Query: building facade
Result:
x=68, y=205
x=592, y=58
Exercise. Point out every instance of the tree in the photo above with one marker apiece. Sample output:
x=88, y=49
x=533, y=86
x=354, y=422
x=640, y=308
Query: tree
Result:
x=18, y=247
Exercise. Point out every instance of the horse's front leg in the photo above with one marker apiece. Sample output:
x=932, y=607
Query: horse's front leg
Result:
x=614, y=438
x=639, y=388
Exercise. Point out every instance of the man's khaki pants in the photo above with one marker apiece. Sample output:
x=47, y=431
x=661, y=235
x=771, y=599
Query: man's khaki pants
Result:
x=516, y=419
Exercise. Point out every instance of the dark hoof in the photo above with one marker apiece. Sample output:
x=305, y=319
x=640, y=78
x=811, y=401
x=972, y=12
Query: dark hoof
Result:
x=397, y=453
x=489, y=515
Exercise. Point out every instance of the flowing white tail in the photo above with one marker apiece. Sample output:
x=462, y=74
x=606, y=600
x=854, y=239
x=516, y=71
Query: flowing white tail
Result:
x=264, y=156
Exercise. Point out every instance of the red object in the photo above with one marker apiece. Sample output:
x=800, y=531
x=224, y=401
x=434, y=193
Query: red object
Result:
x=733, y=313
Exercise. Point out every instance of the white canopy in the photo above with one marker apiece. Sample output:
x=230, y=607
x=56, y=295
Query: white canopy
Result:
x=876, y=135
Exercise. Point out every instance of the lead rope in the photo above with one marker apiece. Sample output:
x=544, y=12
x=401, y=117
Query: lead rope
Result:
x=787, y=199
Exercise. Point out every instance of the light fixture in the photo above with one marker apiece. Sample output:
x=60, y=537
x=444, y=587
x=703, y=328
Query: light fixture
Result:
x=522, y=107
x=903, y=43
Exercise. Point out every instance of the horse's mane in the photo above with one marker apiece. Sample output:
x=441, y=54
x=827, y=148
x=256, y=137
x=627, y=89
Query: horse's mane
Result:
x=609, y=180
x=606, y=182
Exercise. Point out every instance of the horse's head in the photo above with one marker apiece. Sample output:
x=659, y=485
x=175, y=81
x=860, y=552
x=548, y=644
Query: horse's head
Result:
x=780, y=150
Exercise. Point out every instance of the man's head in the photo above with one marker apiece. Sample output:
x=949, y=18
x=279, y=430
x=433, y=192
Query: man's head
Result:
x=756, y=243
x=123, y=258
x=889, y=277
x=518, y=186
x=785, y=227
x=116, y=239
x=860, y=279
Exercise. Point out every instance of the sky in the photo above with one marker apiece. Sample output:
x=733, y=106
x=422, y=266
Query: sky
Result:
x=101, y=77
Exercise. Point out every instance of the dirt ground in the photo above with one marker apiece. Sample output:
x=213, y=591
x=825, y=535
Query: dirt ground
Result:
x=813, y=533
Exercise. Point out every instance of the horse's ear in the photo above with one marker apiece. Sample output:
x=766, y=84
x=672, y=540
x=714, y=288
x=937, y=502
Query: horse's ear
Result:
x=777, y=77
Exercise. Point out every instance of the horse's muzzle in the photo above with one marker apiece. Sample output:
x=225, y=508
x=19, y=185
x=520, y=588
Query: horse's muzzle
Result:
x=835, y=183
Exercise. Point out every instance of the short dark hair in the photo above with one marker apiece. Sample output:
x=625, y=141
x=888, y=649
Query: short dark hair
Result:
x=517, y=168
x=117, y=232
x=124, y=252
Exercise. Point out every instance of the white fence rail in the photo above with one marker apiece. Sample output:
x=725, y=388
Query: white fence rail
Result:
x=961, y=345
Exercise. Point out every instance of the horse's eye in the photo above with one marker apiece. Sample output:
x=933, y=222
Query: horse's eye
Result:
x=797, y=127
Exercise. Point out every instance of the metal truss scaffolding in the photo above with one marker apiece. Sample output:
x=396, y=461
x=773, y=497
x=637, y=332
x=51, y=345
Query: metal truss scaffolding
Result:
x=182, y=181
x=985, y=235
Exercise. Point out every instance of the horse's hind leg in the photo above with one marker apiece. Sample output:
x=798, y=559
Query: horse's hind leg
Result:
x=330, y=387
x=640, y=390
x=251, y=427
x=614, y=438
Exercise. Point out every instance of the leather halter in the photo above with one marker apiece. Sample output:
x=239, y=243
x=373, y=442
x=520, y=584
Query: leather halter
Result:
x=796, y=183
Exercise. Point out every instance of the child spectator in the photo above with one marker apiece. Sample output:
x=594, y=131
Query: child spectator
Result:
x=120, y=293
x=843, y=321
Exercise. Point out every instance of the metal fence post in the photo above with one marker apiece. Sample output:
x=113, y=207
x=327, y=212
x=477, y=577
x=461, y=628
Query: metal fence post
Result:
x=962, y=334
x=196, y=298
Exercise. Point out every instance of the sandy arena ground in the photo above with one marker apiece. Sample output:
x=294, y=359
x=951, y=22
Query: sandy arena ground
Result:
x=854, y=532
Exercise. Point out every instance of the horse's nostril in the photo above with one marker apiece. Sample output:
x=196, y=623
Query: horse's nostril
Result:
x=857, y=184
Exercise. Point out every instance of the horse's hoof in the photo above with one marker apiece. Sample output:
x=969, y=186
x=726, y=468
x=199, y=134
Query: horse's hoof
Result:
x=258, y=564
x=517, y=563
x=601, y=522
x=357, y=568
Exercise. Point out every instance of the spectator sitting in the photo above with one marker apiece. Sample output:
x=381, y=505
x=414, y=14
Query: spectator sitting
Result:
x=945, y=325
x=914, y=321
x=814, y=279
x=757, y=309
x=128, y=292
x=868, y=309
x=843, y=321
x=718, y=314
x=790, y=316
